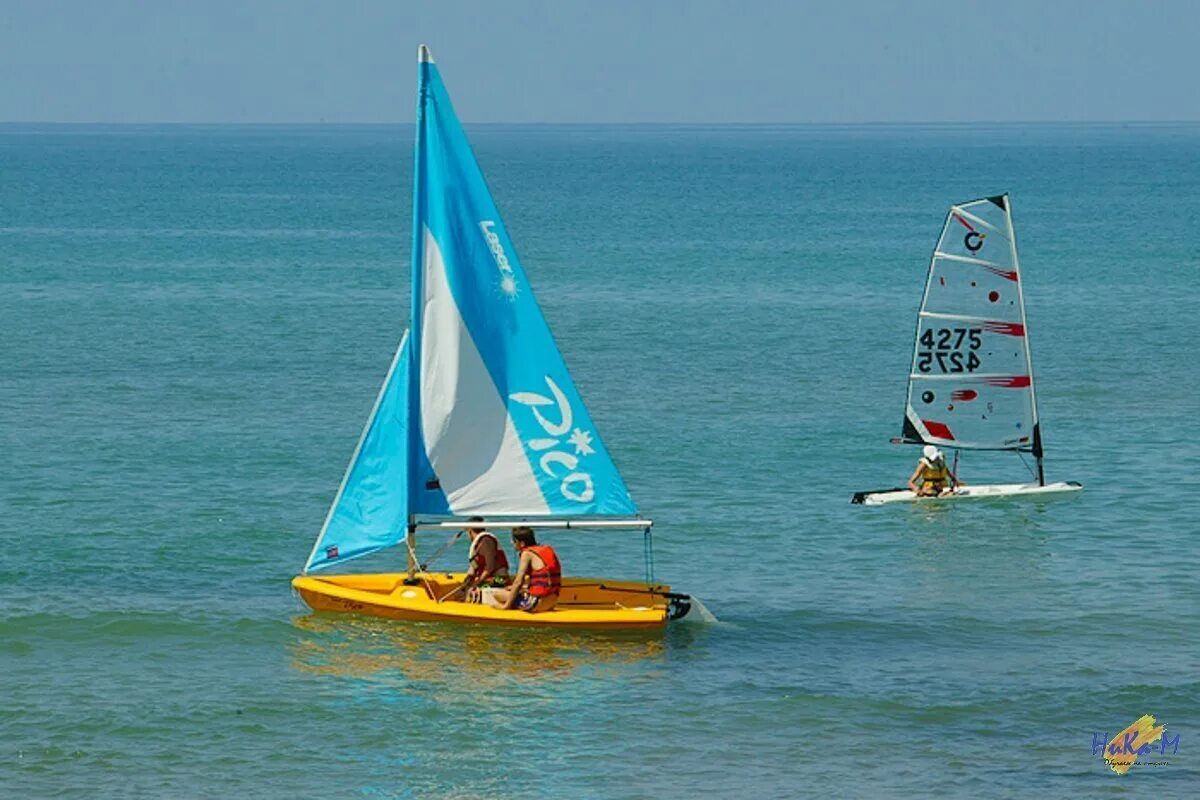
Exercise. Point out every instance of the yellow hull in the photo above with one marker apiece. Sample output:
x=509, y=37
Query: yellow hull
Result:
x=582, y=603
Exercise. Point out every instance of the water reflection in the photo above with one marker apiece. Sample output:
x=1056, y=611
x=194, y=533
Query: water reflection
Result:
x=967, y=553
x=488, y=659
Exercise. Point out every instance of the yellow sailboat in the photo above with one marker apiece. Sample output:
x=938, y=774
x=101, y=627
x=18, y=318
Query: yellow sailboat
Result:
x=582, y=603
x=478, y=418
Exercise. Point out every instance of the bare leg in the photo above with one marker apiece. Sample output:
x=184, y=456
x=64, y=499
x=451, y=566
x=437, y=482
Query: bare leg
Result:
x=498, y=598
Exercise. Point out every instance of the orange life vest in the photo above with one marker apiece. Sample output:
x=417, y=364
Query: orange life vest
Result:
x=479, y=562
x=547, y=581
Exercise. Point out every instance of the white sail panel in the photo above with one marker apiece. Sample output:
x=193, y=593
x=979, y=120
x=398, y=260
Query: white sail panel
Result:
x=971, y=382
x=469, y=438
x=973, y=288
x=985, y=413
x=973, y=270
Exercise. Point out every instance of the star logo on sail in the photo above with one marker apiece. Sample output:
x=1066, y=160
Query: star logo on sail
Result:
x=583, y=442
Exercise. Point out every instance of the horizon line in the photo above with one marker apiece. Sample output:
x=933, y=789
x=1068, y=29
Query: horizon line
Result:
x=698, y=124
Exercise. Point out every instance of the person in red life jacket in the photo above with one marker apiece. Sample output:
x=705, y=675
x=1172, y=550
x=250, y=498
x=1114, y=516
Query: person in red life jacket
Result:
x=539, y=576
x=488, y=564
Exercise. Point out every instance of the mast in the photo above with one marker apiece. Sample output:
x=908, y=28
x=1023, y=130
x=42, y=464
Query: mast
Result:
x=424, y=59
x=1037, y=426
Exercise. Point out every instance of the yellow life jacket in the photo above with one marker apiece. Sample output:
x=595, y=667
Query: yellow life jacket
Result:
x=937, y=473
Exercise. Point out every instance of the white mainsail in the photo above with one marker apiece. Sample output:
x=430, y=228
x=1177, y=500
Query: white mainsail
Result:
x=971, y=381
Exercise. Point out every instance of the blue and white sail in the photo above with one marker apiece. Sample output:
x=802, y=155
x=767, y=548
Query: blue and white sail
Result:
x=479, y=415
x=503, y=429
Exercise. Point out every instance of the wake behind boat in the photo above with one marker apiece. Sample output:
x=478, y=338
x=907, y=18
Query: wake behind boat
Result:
x=477, y=419
x=970, y=386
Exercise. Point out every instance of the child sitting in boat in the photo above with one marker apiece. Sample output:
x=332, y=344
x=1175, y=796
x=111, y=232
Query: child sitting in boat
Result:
x=488, y=565
x=539, y=576
x=936, y=479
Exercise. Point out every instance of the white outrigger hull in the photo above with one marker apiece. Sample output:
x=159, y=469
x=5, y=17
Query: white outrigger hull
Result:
x=884, y=496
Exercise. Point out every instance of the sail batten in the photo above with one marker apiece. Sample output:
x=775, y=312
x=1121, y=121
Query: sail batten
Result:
x=996, y=376
x=970, y=383
x=966, y=260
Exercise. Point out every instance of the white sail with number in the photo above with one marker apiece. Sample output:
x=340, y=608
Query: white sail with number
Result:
x=971, y=382
x=970, y=386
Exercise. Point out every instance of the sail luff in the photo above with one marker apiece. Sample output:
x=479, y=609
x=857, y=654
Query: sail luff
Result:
x=908, y=428
x=1037, y=433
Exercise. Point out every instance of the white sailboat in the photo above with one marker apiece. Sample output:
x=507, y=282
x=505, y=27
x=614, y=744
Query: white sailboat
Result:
x=971, y=386
x=477, y=418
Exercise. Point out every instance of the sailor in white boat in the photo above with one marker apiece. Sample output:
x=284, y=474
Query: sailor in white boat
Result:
x=488, y=565
x=934, y=476
x=538, y=580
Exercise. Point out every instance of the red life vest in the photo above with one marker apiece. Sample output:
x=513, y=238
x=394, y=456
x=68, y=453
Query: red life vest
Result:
x=547, y=581
x=479, y=562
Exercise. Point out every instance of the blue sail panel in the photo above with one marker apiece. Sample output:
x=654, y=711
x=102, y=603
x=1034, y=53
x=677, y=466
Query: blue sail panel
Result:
x=370, y=511
x=501, y=421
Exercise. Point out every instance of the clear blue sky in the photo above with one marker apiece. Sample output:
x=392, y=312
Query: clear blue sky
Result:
x=604, y=61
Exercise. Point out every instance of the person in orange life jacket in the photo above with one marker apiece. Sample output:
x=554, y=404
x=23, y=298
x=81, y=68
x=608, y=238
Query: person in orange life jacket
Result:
x=539, y=576
x=935, y=477
x=488, y=564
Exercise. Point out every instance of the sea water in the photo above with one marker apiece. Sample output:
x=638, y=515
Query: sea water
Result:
x=194, y=324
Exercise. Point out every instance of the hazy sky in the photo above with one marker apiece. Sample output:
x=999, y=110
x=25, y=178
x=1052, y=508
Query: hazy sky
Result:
x=605, y=61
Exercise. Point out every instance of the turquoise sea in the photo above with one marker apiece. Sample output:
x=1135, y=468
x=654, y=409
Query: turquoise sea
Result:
x=194, y=323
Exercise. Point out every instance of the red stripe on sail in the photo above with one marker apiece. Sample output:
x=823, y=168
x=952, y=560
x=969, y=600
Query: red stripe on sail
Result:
x=964, y=395
x=1014, y=382
x=1003, y=273
x=938, y=430
x=1006, y=328
x=963, y=222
